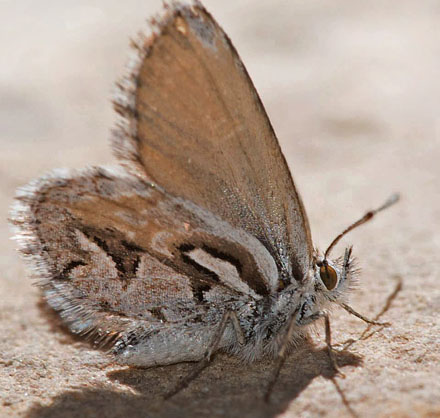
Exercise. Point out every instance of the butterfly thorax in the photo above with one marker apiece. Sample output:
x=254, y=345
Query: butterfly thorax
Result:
x=267, y=321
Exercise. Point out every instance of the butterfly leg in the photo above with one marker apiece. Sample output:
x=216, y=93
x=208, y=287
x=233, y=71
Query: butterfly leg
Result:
x=360, y=316
x=281, y=357
x=282, y=352
x=349, y=309
x=212, y=348
x=328, y=335
x=330, y=350
x=365, y=334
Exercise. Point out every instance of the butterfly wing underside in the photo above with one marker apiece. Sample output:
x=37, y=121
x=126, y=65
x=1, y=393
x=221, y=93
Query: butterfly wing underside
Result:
x=125, y=262
x=194, y=124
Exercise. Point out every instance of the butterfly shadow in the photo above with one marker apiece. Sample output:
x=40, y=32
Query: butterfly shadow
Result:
x=227, y=388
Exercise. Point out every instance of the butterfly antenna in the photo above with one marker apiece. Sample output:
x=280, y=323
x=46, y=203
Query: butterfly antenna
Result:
x=368, y=216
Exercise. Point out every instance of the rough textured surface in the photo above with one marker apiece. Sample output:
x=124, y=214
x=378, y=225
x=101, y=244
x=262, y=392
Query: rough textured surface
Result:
x=352, y=90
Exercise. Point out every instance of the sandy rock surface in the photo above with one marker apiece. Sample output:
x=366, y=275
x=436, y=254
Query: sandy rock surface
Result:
x=353, y=91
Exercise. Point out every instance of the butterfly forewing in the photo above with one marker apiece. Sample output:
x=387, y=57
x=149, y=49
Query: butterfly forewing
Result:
x=195, y=125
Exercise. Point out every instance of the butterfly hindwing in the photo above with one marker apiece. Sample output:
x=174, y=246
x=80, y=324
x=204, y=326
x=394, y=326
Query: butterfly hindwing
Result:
x=114, y=252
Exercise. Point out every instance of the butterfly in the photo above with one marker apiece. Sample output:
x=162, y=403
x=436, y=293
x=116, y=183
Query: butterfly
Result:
x=199, y=241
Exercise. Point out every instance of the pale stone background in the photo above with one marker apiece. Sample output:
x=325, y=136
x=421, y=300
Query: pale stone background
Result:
x=353, y=90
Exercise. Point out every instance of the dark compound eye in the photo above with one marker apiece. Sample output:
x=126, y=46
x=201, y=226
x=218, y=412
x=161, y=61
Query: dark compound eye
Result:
x=328, y=276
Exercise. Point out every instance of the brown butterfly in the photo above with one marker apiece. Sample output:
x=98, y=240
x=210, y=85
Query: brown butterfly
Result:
x=201, y=243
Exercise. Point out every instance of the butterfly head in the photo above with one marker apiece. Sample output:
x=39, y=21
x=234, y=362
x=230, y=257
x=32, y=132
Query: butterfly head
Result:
x=329, y=281
x=335, y=277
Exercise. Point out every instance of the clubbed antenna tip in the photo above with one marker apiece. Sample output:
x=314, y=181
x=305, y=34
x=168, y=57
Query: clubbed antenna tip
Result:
x=394, y=198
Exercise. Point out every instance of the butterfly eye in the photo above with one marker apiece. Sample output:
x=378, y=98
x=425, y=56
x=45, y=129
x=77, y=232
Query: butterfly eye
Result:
x=328, y=276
